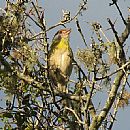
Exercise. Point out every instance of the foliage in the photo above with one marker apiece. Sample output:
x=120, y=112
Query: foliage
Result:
x=34, y=102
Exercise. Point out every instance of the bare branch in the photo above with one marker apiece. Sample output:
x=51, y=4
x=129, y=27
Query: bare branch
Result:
x=114, y=31
x=115, y=3
x=121, y=68
x=80, y=31
x=117, y=104
x=112, y=95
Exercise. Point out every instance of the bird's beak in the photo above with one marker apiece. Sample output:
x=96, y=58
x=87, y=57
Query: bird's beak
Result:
x=68, y=31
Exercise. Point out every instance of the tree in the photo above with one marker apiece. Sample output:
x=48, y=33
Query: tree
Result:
x=34, y=102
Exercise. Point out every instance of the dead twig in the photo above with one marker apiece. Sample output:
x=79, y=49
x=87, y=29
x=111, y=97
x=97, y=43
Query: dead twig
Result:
x=80, y=31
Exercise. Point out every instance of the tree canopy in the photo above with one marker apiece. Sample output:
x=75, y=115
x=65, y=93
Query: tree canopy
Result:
x=33, y=101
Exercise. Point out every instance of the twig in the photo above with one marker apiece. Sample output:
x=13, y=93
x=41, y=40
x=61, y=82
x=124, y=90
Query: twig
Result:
x=79, y=121
x=104, y=35
x=115, y=3
x=84, y=75
x=36, y=10
x=33, y=20
x=121, y=54
x=40, y=20
x=56, y=25
x=121, y=68
x=80, y=31
x=63, y=23
x=91, y=106
x=114, y=31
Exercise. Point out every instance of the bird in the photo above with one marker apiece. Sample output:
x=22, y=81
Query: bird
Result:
x=60, y=58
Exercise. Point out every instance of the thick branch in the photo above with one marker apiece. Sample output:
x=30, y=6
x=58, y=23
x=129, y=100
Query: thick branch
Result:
x=112, y=95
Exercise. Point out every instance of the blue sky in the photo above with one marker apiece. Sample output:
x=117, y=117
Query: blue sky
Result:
x=97, y=11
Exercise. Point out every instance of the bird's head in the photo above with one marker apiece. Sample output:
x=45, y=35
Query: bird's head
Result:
x=63, y=33
x=61, y=38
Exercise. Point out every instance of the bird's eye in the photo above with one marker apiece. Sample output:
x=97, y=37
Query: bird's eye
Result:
x=60, y=32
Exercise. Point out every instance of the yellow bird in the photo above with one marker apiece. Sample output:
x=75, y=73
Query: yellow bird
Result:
x=60, y=60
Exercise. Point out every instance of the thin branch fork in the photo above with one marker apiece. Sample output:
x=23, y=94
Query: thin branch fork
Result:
x=121, y=68
x=114, y=31
x=79, y=121
x=115, y=3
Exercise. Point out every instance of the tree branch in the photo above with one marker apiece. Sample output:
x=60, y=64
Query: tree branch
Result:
x=97, y=121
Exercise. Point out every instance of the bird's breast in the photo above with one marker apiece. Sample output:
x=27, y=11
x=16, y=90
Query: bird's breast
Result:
x=61, y=58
